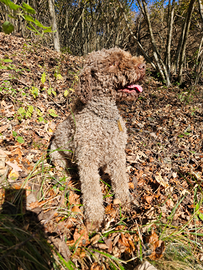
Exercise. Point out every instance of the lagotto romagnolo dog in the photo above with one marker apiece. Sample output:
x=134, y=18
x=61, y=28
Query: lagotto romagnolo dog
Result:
x=94, y=135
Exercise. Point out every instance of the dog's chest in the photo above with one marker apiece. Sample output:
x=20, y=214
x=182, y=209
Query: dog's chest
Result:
x=100, y=133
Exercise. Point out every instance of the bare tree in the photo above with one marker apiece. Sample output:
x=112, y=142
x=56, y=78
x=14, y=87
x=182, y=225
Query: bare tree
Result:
x=157, y=57
x=183, y=39
x=164, y=31
x=54, y=26
x=170, y=20
x=199, y=60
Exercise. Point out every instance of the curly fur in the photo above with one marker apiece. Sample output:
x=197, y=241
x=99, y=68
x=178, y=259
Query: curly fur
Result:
x=94, y=136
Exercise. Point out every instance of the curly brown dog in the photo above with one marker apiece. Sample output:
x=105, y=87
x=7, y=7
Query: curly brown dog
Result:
x=94, y=135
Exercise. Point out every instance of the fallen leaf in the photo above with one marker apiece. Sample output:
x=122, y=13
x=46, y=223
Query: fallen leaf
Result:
x=15, y=167
x=131, y=185
x=160, y=180
x=62, y=247
x=116, y=201
x=110, y=210
x=81, y=236
x=3, y=128
x=149, y=199
x=145, y=266
x=170, y=203
x=109, y=244
x=95, y=239
x=30, y=157
x=73, y=198
x=2, y=160
x=96, y=266
x=79, y=253
x=76, y=209
x=102, y=246
x=4, y=153
x=157, y=246
x=123, y=240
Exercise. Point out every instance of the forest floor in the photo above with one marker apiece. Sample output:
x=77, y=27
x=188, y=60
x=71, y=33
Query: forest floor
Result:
x=164, y=163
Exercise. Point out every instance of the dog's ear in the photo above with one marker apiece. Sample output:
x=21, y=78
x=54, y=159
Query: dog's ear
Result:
x=84, y=90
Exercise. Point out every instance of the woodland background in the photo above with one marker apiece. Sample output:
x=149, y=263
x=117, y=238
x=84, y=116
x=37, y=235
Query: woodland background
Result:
x=168, y=33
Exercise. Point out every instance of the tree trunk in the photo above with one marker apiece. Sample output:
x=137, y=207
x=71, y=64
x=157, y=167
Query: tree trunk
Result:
x=171, y=9
x=199, y=61
x=201, y=9
x=159, y=63
x=54, y=26
x=185, y=35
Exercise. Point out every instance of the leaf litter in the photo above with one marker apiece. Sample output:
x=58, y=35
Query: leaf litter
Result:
x=164, y=160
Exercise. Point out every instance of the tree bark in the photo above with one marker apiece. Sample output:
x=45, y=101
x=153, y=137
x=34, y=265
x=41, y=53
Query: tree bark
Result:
x=54, y=26
x=159, y=63
x=201, y=9
x=171, y=9
x=185, y=35
x=199, y=61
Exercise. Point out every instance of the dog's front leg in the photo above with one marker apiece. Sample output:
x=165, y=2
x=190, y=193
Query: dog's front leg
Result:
x=91, y=194
x=119, y=179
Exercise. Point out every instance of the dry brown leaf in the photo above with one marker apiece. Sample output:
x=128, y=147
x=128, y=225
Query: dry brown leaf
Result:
x=116, y=201
x=69, y=223
x=16, y=153
x=145, y=266
x=96, y=266
x=95, y=239
x=131, y=185
x=15, y=167
x=102, y=246
x=149, y=199
x=3, y=128
x=4, y=153
x=116, y=252
x=35, y=204
x=170, y=203
x=123, y=240
x=79, y=253
x=110, y=210
x=2, y=159
x=157, y=246
x=81, y=236
x=73, y=198
x=3, y=168
x=132, y=246
x=160, y=180
x=109, y=244
x=76, y=209
x=62, y=247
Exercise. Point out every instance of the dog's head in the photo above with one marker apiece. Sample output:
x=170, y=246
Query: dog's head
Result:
x=112, y=72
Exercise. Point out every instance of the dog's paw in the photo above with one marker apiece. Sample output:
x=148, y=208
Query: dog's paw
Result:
x=124, y=198
x=93, y=226
x=94, y=215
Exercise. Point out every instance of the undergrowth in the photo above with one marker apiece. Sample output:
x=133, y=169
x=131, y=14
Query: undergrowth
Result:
x=23, y=242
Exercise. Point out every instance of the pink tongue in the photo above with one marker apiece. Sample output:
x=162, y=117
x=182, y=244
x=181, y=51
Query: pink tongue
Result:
x=133, y=86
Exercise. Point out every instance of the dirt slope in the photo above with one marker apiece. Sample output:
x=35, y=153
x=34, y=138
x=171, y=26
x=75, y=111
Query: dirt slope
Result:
x=164, y=151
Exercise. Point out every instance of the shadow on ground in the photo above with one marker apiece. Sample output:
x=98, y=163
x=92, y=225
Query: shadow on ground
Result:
x=23, y=241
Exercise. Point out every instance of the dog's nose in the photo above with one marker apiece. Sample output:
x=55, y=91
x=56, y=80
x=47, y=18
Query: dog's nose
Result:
x=142, y=67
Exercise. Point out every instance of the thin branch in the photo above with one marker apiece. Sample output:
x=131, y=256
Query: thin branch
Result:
x=135, y=38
